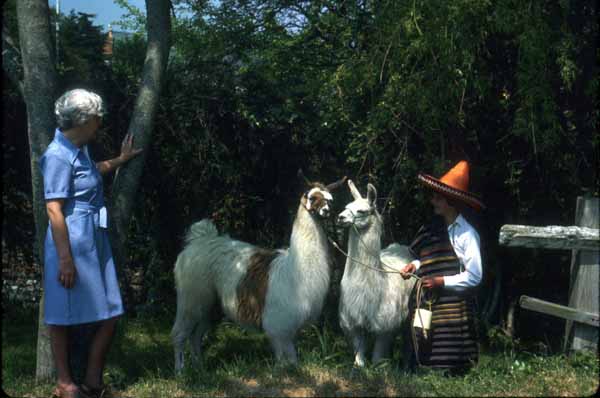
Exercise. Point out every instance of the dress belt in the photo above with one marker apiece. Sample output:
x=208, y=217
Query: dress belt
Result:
x=100, y=213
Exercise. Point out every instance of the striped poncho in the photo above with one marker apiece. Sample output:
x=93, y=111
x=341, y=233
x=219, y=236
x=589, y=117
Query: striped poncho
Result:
x=451, y=343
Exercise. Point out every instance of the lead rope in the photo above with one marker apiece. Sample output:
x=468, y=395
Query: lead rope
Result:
x=394, y=271
x=419, y=284
x=413, y=334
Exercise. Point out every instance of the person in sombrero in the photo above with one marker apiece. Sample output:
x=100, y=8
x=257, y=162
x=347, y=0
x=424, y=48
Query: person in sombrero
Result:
x=449, y=262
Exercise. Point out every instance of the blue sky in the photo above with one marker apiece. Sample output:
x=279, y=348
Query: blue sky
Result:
x=106, y=10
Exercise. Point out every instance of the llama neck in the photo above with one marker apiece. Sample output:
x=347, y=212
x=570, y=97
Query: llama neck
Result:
x=308, y=240
x=364, y=246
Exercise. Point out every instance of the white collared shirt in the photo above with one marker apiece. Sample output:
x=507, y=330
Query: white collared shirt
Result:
x=465, y=241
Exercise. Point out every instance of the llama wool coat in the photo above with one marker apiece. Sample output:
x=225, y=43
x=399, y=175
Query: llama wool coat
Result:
x=70, y=174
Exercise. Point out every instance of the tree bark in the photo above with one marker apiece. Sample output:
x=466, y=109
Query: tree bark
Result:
x=127, y=179
x=39, y=90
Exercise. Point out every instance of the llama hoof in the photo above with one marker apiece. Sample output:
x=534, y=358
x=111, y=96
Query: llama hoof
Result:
x=356, y=371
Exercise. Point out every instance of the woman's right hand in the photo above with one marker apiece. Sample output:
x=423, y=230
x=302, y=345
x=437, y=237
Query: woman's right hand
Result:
x=408, y=269
x=67, y=272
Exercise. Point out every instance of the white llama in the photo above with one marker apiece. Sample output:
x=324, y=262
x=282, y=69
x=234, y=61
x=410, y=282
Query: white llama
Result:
x=373, y=299
x=278, y=291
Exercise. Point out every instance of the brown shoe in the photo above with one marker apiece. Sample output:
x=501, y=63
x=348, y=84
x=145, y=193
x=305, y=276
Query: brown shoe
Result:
x=60, y=392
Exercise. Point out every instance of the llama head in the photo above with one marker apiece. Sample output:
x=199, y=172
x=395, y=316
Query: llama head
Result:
x=360, y=212
x=317, y=199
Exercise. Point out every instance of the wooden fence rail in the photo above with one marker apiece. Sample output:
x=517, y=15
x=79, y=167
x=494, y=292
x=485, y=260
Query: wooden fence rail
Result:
x=560, y=311
x=550, y=237
x=583, y=321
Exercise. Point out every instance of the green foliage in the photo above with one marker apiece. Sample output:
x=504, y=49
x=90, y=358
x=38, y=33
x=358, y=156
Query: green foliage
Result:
x=499, y=340
x=133, y=20
x=80, y=52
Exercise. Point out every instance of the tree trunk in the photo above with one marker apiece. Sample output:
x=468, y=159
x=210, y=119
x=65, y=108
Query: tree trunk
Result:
x=39, y=90
x=127, y=180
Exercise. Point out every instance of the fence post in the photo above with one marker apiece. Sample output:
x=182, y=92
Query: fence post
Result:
x=583, y=286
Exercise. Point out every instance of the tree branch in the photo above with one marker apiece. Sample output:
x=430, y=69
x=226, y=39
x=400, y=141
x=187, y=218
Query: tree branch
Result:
x=127, y=180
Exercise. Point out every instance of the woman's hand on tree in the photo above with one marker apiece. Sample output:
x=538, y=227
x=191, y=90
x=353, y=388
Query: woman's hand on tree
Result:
x=127, y=150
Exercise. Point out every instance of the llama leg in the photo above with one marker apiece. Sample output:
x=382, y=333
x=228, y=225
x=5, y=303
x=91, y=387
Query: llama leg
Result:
x=180, y=333
x=283, y=347
x=196, y=340
x=185, y=323
x=290, y=351
x=383, y=343
x=359, y=344
x=278, y=348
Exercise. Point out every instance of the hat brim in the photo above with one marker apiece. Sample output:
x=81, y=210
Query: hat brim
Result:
x=434, y=184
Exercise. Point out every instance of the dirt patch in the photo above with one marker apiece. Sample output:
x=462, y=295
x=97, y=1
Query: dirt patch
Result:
x=298, y=392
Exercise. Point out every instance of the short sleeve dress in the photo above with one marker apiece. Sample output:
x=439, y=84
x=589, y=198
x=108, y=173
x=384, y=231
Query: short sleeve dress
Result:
x=70, y=174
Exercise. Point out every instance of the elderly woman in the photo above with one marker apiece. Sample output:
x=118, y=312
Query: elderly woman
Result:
x=80, y=281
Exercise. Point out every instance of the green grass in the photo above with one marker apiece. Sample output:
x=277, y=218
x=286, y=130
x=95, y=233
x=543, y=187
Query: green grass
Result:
x=239, y=363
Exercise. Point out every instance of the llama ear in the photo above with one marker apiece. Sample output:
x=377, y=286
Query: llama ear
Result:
x=336, y=185
x=353, y=190
x=303, y=177
x=371, y=194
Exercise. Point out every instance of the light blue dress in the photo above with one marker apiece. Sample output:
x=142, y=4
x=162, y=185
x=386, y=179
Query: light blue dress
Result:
x=69, y=173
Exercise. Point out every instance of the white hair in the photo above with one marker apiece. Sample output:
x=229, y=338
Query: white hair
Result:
x=76, y=107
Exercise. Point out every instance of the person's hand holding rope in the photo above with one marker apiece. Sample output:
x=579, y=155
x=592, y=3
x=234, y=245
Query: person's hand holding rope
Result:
x=433, y=282
x=428, y=282
x=408, y=269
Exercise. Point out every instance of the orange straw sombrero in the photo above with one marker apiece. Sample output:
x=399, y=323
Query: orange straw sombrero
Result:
x=454, y=184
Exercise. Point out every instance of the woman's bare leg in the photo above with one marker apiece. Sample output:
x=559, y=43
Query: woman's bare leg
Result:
x=60, y=348
x=97, y=354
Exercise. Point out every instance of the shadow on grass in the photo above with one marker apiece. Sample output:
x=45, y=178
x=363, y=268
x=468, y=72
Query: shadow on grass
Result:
x=311, y=379
x=143, y=348
x=19, y=341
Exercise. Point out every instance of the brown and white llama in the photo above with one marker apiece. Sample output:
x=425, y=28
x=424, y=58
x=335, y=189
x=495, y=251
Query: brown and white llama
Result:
x=373, y=295
x=277, y=291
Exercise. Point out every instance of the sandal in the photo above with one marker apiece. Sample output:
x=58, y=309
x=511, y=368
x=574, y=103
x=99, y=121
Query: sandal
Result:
x=60, y=392
x=100, y=392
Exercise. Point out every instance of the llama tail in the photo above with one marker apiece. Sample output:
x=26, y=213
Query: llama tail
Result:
x=204, y=229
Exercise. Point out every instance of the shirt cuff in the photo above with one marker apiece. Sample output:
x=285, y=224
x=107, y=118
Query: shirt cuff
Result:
x=56, y=195
x=459, y=281
x=448, y=280
x=417, y=264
